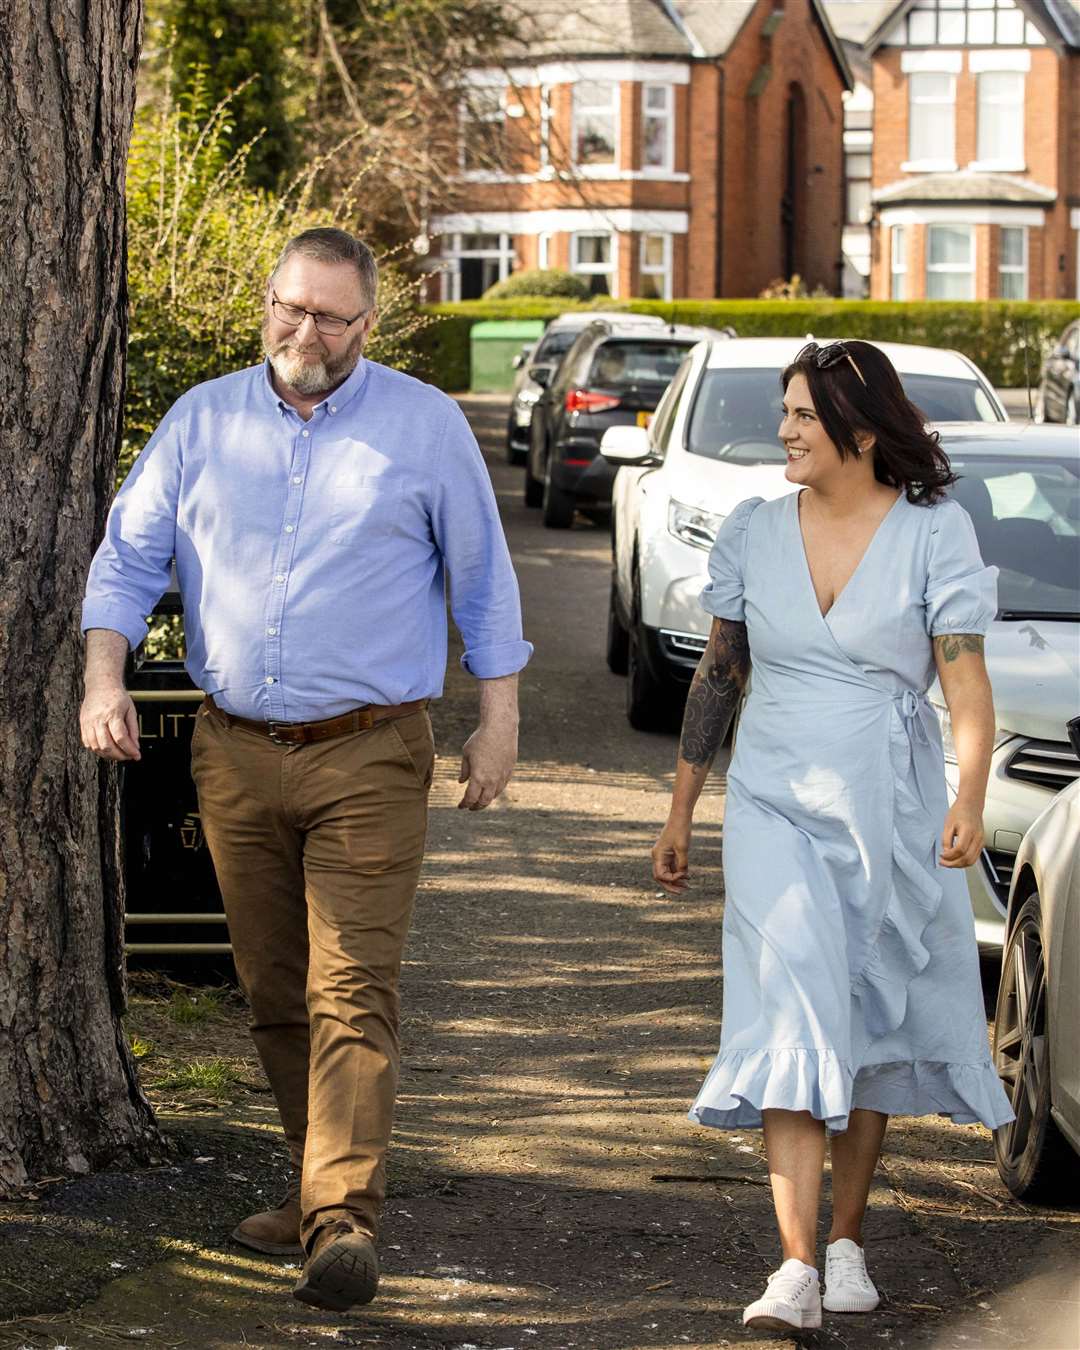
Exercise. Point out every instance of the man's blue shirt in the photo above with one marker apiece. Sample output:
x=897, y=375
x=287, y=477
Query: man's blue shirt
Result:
x=312, y=556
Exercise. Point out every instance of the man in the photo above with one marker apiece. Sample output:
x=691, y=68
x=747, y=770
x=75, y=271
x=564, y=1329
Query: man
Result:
x=314, y=505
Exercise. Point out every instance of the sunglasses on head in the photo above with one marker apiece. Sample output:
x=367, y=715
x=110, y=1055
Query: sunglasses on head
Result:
x=833, y=354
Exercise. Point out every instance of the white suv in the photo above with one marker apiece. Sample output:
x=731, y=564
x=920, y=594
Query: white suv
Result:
x=712, y=443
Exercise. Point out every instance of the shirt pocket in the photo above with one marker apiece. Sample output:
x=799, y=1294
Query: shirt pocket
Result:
x=363, y=507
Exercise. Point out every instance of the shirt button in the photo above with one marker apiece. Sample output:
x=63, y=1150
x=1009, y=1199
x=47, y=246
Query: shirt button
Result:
x=333, y=409
x=305, y=433
x=288, y=529
x=270, y=679
x=280, y=576
x=272, y=631
x=298, y=479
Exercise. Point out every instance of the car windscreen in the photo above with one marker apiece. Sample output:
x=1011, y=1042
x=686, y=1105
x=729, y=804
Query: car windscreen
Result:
x=737, y=413
x=554, y=345
x=1026, y=513
x=621, y=365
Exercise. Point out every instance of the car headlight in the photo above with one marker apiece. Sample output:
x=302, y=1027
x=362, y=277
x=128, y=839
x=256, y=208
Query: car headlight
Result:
x=949, y=746
x=692, y=525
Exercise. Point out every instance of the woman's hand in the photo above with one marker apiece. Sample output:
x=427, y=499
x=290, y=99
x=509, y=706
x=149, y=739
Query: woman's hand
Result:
x=670, y=856
x=962, y=837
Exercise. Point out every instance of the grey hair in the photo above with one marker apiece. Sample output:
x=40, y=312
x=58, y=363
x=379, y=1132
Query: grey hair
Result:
x=329, y=245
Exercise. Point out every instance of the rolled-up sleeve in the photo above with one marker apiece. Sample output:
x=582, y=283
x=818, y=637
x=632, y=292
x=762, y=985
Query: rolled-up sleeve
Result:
x=131, y=568
x=484, y=597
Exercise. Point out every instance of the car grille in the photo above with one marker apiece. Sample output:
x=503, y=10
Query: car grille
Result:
x=1051, y=764
x=684, y=649
x=999, y=869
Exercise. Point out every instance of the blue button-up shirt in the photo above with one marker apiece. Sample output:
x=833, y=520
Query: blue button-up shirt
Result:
x=312, y=556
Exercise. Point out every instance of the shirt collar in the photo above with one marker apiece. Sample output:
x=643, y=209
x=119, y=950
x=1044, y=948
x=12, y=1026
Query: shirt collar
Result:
x=333, y=403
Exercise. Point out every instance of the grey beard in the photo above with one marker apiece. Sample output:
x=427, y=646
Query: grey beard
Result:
x=312, y=377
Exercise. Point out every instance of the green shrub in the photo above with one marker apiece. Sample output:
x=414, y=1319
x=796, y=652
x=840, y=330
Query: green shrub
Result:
x=992, y=333
x=201, y=243
x=547, y=281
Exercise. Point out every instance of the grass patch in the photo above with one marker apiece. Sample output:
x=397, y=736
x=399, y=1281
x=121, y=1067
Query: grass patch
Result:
x=188, y=1008
x=140, y=1048
x=214, y=1077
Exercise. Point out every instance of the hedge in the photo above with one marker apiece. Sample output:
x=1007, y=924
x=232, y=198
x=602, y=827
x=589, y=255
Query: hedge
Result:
x=992, y=333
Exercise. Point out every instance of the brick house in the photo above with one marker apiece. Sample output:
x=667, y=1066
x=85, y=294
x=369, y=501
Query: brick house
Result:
x=976, y=150
x=657, y=148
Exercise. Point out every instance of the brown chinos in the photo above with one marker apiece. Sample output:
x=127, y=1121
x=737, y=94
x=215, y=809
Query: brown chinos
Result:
x=317, y=850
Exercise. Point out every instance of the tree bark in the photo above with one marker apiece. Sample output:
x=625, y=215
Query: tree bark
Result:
x=69, y=1094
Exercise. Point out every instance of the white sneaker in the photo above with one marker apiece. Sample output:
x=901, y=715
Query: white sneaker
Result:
x=791, y=1299
x=848, y=1288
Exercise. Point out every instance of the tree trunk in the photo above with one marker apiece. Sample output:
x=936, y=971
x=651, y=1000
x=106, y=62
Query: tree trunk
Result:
x=69, y=1095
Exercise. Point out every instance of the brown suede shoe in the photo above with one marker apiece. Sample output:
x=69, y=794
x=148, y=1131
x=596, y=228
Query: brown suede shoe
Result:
x=275, y=1231
x=342, y=1271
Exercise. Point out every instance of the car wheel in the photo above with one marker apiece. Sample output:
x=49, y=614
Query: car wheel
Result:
x=534, y=488
x=651, y=704
x=1071, y=411
x=618, y=639
x=1033, y=1159
x=558, y=506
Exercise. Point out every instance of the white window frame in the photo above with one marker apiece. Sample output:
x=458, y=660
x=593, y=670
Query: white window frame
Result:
x=543, y=249
x=451, y=272
x=610, y=269
x=1014, y=163
x=665, y=115
x=1011, y=269
x=545, y=128
x=579, y=110
x=898, y=268
x=467, y=116
x=931, y=164
x=664, y=271
x=950, y=268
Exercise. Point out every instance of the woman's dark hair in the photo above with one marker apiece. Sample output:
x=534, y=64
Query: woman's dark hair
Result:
x=906, y=455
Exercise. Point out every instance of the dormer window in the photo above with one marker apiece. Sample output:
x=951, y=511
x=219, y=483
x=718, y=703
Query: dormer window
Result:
x=972, y=23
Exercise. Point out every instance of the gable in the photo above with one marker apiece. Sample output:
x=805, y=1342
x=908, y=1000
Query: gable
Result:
x=976, y=23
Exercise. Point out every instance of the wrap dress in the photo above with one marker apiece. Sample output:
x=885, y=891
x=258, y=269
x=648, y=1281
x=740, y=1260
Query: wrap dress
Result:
x=851, y=973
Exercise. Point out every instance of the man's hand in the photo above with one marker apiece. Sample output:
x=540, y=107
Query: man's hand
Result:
x=109, y=723
x=487, y=762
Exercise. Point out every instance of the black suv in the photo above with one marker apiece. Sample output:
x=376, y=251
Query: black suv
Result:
x=613, y=375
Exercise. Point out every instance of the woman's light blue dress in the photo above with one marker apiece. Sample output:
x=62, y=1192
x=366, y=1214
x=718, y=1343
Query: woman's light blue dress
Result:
x=851, y=974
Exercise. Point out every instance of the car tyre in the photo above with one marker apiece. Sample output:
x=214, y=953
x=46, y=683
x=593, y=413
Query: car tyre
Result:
x=558, y=506
x=618, y=639
x=1072, y=413
x=534, y=488
x=651, y=704
x=1033, y=1159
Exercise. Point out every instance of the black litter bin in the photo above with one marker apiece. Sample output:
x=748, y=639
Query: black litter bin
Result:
x=173, y=902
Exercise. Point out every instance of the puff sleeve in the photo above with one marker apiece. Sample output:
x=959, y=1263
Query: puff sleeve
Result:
x=723, y=596
x=961, y=593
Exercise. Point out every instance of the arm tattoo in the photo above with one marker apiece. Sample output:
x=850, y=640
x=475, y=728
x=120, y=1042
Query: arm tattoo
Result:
x=715, y=692
x=952, y=644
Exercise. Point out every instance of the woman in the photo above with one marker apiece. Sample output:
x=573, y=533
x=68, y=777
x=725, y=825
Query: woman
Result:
x=851, y=978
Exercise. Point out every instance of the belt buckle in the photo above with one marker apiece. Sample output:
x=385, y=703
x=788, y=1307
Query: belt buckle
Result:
x=272, y=732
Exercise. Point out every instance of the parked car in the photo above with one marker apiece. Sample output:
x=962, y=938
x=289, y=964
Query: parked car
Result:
x=1021, y=487
x=1038, y=1006
x=1058, y=395
x=536, y=362
x=713, y=443
x=614, y=375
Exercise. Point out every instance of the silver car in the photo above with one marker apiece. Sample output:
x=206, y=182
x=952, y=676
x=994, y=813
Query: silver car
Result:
x=1021, y=486
x=1038, y=1006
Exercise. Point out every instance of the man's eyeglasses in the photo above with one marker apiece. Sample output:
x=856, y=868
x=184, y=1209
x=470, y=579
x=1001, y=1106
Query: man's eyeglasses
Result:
x=833, y=354
x=294, y=315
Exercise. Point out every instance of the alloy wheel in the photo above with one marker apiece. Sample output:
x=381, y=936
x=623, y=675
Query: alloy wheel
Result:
x=1021, y=1052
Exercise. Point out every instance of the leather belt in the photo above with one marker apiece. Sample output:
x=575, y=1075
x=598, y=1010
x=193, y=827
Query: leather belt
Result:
x=301, y=733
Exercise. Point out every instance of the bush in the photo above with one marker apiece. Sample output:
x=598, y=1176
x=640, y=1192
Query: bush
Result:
x=201, y=243
x=992, y=333
x=539, y=281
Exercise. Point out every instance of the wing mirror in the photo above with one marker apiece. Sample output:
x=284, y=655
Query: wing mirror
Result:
x=541, y=375
x=628, y=445
x=522, y=356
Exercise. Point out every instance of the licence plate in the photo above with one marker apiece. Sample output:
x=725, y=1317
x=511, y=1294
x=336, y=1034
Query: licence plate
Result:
x=644, y=418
